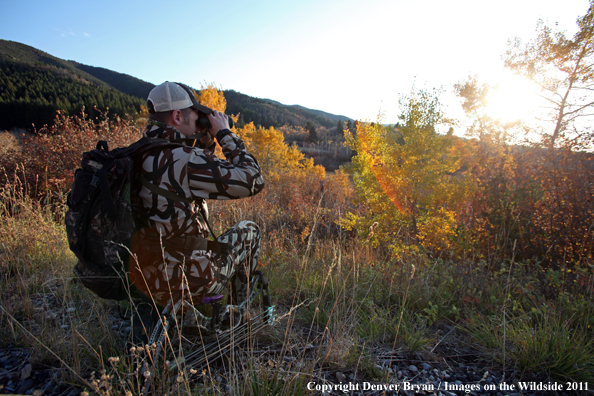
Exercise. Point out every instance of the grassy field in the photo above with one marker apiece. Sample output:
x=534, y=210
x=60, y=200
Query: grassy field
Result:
x=346, y=306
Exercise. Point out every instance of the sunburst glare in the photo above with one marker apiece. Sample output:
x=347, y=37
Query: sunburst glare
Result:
x=514, y=99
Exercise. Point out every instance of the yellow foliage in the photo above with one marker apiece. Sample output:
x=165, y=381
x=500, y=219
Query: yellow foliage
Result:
x=245, y=133
x=212, y=97
x=274, y=155
x=143, y=113
x=404, y=176
x=269, y=145
x=437, y=230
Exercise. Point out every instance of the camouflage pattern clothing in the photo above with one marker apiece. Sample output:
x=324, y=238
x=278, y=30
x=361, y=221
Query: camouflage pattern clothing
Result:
x=172, y=258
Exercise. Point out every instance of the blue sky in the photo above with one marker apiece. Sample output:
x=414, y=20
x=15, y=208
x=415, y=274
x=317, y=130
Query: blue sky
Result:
x=346, y=57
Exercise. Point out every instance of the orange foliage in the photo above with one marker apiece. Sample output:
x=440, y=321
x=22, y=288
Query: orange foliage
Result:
x=212, y=97
x=50, y=157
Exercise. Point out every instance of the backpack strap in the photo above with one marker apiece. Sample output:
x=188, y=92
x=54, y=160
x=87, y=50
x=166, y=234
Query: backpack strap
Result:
x=100, y=178
x=102, y=144
x=101, y=174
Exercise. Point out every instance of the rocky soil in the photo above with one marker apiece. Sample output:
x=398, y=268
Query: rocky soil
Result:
x=450, y=368
x=448, y=372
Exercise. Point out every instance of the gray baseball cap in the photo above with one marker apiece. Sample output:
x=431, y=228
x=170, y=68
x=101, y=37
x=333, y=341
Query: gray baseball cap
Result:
x=173, y=96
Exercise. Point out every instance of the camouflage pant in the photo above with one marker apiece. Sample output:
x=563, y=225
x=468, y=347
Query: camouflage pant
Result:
x=170, y=274
x=241, y=256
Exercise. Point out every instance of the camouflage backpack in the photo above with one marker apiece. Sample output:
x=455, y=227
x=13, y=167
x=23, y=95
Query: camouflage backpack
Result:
x=100, y=220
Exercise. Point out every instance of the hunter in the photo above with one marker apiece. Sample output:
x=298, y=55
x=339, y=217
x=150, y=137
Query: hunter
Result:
x=172, y=257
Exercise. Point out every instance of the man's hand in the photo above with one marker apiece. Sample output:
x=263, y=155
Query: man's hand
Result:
x=218, y=121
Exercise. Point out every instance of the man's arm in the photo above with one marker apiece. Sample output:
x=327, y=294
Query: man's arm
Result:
x=238, y=176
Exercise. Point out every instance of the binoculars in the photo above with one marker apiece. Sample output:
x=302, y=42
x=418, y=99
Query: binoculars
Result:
x=202, y=123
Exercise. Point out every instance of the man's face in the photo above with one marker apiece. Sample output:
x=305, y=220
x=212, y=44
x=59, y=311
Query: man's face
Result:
x=188, y=126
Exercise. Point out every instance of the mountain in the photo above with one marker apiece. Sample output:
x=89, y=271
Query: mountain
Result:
x=320, y=113
x=122, y=82
x=34, y=85
x=267, y=113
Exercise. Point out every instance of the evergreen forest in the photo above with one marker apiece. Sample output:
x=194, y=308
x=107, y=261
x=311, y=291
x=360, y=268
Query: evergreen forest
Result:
x=31, y=94
x=35, y=85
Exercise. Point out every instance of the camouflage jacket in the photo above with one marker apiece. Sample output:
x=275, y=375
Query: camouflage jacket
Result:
x=196, y=173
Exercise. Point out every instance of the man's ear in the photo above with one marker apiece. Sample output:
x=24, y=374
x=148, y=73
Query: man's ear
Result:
x=176, y=118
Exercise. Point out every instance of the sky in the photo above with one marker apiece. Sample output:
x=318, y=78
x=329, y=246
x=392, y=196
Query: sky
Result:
x=351, y=58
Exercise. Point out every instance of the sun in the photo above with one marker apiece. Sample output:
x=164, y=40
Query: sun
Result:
x=514, y=99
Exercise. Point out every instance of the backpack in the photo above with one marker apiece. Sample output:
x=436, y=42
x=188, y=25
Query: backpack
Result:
x=100, y=220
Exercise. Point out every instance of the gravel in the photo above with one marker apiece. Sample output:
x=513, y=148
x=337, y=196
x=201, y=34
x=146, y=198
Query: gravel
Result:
x=19, y=376
x=448, y=369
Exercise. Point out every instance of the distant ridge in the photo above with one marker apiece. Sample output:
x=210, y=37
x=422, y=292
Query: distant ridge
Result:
x=122, y=82
x=267, y=113
x=12, y=51
x=320, y=113
x=35, y=84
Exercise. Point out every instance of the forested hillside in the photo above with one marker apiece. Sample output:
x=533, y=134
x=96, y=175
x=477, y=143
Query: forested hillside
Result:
x=122, y=82
x=34, y=85
x=32, y=95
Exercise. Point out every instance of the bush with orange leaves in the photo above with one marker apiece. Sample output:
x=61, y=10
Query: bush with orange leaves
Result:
x=48, y=158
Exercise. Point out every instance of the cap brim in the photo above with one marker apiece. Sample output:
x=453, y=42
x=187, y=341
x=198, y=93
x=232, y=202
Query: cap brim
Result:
x=195, y=104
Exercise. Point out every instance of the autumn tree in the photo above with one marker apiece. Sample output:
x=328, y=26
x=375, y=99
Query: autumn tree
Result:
x=563, y=68
x=481, y=125
x=274, y=155
x=405, y=177
x=212, y=97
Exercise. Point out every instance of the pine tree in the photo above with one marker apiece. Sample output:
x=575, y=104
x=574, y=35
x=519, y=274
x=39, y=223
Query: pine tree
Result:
x=313, y=134
x=340, y=128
